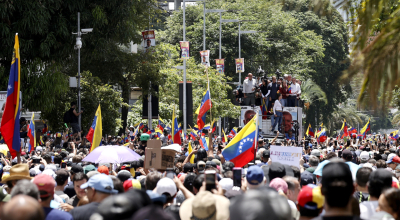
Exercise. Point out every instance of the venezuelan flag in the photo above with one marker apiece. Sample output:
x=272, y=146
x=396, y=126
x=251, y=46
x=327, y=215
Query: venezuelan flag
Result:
x=214, y=126
x=233, y=132
x=224, y=139
x=241, y=149
x=204, y=107
x=10, y=121
x=44, y=130
x=394, y=135
x=365, y=129
x=320, y=127
x=32, y=134
x=176, y=139
x=161, y=124
x=204, y=143
x=310, y=131
x=141, y=126
x=95, y=132
x=264, y=109
x=321, y=136
x=289, y=89
x=190, y=149
x=344, y=127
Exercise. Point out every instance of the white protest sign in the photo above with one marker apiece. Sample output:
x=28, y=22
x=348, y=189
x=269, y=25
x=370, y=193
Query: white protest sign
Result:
x=286, y=155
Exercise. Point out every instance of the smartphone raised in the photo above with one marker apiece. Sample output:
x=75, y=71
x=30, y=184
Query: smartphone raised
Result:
x=210, y=179
x=36, y=160
x=237, y=176
x=170, y=173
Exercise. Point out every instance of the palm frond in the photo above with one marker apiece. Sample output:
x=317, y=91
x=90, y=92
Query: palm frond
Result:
x=311, y=92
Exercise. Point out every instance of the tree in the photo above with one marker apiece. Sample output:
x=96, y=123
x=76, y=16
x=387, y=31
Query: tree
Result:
x=328, y=23
x=292, y=50
x=169, y=90
x=376, y=59
x=94, y=92
x=46, y=43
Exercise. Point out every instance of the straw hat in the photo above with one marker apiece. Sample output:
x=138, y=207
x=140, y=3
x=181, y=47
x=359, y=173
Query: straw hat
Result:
x=205, y=205
x=18, y=172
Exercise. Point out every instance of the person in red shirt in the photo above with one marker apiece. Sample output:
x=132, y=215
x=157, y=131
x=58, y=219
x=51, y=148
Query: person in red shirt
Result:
x=284, y=91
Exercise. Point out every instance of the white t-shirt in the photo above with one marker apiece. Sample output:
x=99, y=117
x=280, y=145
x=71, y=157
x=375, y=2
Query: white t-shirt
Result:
x=367, y=209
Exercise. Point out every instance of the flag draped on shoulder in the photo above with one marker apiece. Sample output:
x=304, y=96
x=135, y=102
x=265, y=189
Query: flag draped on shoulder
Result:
x=204, y=107
x=176, y=139
x=10, y=126
x=95, y=132
x=32, y=134
x=365, y=129
x=310, y=131
x=241, y=148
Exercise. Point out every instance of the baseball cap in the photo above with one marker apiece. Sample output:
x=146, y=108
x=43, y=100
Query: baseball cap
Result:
x=380, y=179
x=279, y=184
x=89, y=168
x=75, y=168
x=45, y=184
x=211, y=164
x=166, y=185
x=201, y=166
x=260, y=204
x=62, y=175
x=132, y=184
x=103, y=169
x=276, y=169
x=255, y=175
x=188, y=167
x=306, y=178
x=396, y=159
x=266, y=153
x=101, y=183
x=390, y=158
x=346, y=154
x=364, y=156
x=316, y=152
x=337, y=177
x=123, y=175
x=310, y=197
x=226, y=183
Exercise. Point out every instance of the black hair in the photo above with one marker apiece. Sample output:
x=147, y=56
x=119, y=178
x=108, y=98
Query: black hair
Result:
x=73, y=103
x=198, y=181
x=201, y=154
x=151, y=180
x=308, y=212
x=47, y=158
x=80, y=176
x=58, y=159
x=362, y=176
x=296, y=172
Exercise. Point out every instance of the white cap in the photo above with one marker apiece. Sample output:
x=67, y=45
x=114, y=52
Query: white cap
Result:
x=226, y=183
x=50, y=173
x=364, y=155
x=166, y=185
x=315, y=152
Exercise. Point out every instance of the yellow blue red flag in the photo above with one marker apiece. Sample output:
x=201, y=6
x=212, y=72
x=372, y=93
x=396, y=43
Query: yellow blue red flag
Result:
x=10, y=127
x=241, y=148
x=95, y=132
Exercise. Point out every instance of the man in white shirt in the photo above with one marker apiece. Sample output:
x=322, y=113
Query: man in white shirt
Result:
x=249, y=85
x=292, y=97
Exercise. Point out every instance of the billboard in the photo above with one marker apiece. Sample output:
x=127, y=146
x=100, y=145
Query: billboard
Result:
x=149, y=39
x=247, y=113
x=293, y=116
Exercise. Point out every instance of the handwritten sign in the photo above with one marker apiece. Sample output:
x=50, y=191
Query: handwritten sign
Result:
x=286, y=155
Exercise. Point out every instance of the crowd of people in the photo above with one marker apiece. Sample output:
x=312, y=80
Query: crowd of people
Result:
x=334, y=180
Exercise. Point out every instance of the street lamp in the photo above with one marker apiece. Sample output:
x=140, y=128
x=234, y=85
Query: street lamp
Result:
x=78, y=46
x=240, y=32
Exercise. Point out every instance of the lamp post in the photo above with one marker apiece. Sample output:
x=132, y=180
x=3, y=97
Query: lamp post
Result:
x=240, y=32
x=78, y=46
x=184, y=61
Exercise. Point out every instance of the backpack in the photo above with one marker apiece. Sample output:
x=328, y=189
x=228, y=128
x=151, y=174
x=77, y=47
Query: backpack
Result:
x=67, y=117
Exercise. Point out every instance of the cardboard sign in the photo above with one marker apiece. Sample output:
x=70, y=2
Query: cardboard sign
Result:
x=158, y=158
x=286, y=155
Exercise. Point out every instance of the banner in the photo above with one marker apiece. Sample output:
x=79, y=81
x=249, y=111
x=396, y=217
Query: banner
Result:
x=205, y=57
x=239, y=65
x=286, y=155
x=292, y=116
x=149, y=39
x=220, y=65
x=247, y=113
x=184, y=50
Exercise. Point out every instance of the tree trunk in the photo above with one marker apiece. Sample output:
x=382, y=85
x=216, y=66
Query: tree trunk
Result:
x=124, y=112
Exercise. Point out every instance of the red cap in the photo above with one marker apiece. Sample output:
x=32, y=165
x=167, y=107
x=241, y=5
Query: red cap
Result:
x=103, y=169
x=45, y=183
x=396, y=159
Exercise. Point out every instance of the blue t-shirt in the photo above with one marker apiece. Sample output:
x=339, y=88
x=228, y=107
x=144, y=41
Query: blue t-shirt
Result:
x=290, y=138
x=55, y=214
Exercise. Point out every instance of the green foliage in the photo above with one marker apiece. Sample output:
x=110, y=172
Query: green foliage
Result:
x=292, y=51
x=93, y=93
x=327, y=23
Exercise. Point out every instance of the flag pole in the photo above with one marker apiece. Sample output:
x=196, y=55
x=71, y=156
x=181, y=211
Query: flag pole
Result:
x=256, y=138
